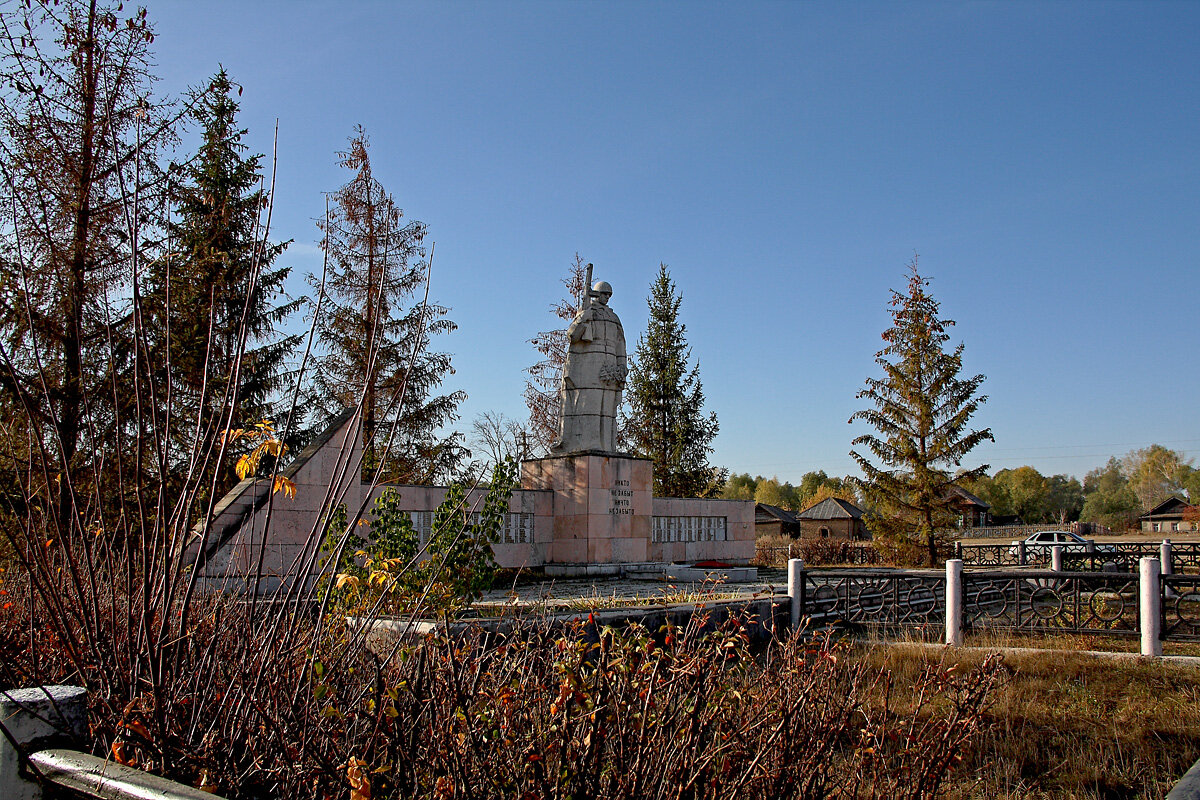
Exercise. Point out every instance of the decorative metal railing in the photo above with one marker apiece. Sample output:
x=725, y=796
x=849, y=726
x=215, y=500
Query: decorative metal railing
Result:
x=1063, y=602
x=1026, y=600
x=1181, y=607
x=874, y=597
x=1185, y=556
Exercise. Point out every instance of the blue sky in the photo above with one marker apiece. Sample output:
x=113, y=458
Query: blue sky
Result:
x=786, y=160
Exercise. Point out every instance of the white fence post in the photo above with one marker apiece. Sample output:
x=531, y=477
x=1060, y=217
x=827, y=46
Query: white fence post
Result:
x=795, y=588
x=1150, y=612
x=1056, y=553
x=37, y=718
x=954, y=602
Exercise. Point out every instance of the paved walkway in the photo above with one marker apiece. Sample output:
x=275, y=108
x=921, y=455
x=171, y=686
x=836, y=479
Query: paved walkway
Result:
x=573, y=590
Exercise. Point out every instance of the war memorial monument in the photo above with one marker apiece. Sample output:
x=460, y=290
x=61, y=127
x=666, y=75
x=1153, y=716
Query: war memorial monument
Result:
x=584, y=509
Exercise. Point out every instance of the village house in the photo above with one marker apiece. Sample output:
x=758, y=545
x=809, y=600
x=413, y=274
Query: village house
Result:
x=1171, y=516
x=972, y=512
x=775, y=521
x=832, y=518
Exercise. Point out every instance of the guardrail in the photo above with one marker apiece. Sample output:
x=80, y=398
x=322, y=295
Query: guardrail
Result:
x=38, y=729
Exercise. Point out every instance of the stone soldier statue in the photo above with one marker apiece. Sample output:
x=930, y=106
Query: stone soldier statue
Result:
x=593, y=376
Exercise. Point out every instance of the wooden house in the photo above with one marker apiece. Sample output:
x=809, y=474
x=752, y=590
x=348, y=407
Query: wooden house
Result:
x=832, y=518
x=1171, y=516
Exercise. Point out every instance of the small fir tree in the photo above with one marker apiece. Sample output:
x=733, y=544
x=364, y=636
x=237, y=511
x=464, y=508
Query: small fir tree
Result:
x=665, y=421
x=376, y=339
x=921, y=412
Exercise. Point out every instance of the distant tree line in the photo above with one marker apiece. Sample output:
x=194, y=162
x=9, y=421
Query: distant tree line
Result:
x=1113, y=495
x=814, y=487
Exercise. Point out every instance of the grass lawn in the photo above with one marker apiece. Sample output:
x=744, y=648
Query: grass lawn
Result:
x=1070, y=726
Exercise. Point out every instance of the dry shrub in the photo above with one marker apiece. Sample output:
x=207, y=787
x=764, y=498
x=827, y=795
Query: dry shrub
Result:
x=774, y=551
x=257, y=702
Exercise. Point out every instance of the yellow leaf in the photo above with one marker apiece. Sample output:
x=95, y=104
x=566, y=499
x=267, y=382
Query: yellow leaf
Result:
x=344, y=580
x=288, y=487
x=243, y=466
x=359, y=779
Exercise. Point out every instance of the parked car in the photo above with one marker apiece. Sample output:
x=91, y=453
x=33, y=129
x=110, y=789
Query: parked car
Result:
x=1038, y=545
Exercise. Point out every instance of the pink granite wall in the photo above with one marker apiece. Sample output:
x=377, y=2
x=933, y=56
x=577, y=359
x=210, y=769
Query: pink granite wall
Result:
x=736, y=548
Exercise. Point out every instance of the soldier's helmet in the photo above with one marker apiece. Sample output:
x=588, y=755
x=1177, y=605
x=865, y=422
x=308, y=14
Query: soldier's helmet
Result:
x=602, y=287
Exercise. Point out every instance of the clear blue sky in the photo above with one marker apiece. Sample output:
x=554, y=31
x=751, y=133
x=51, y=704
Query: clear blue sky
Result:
x=786, y=160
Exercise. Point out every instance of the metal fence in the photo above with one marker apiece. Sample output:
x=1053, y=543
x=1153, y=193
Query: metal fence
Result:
x=1043, y=601
x=1181, y=607
x=1040, y=601
x=874, y=597
x=1185, y=556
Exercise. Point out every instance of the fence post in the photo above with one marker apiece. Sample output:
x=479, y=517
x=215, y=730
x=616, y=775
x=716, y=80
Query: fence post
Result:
x=954, y=602
x=37, y=718
x=1149, y=607
x=795, y=589
x=1021, y=553
x=958, y=550
x=1168, y=566
x=1056, y=553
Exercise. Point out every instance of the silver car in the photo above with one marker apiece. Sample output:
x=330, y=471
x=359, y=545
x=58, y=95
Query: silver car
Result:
x=1038, y=545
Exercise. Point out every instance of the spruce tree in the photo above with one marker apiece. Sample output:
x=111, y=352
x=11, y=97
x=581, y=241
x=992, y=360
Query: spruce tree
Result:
x=921, y=412
x=376, y=336
x=222, y=294
x=666, y=421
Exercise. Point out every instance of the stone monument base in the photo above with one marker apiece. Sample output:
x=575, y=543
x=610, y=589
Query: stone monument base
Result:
x=603, y=506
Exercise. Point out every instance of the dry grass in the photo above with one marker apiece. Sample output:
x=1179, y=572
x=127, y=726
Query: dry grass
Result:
x=1070, y=726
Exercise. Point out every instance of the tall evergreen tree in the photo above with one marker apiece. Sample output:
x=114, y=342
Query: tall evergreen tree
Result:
x=376, y=336
x=221, y=295
x=80, y=137
x=666, y=420
x=922, y=410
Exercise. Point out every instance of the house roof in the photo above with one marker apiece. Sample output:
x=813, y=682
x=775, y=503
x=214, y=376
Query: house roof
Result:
x=1171, y=508
x=831, y=508
x=766, y=513
x=958, y=491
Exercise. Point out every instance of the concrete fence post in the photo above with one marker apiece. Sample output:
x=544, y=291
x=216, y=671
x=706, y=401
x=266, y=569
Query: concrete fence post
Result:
x=1149, y=607
x=1021, y=553
x=1056, y=553
x=35, y=719
x=795, y=589
x=954, y=602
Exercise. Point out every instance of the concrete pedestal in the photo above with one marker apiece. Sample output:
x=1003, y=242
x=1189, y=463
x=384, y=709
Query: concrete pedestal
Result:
x=603, y=506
